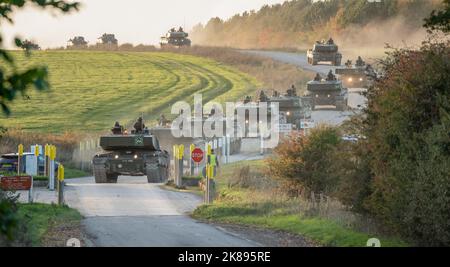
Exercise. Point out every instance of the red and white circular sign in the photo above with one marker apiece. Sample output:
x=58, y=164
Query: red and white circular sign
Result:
x=197, y=155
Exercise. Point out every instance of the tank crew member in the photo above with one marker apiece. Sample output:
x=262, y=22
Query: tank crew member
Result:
x=139, y=125
x=275, y=93
x=348, y=64
x=360, y=62
x=180, y=29
x=247, y=99
x=263, y=97
x=318, y=78
x=330, y=76
x=294, y=90
x=330, y=41
x=162, y=120
x=117, y=129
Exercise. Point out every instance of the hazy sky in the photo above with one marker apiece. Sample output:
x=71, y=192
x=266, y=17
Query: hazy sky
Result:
x=134, y=21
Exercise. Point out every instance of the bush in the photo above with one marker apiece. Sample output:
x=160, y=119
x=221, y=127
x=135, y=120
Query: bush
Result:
x=307, y=161
x=8, y=218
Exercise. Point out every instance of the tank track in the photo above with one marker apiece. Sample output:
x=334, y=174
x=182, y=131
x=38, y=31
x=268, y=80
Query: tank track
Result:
x=102, y=177
x=156, y=174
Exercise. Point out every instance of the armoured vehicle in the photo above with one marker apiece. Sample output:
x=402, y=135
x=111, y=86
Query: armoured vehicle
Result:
x=326, y=93
x=108, y=39
x=78, y=41
x=359, y=75
x=176, y=38
x=132, y=154
x=324, y=52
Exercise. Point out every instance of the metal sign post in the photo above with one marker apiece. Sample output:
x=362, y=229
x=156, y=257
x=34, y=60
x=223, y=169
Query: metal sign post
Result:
x=51, y=177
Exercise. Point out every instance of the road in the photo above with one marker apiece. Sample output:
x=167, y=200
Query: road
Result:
x=135, y=213
x=355, y=100
x=298, y=59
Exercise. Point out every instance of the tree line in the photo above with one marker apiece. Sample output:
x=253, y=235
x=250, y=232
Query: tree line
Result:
x=298, y=22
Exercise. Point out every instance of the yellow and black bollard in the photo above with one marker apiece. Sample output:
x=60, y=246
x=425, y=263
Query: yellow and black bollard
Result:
x=60, y=184
x=19, y=158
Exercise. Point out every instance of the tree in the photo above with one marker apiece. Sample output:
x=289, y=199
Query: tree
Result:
x=14, y=81
x=439, y=19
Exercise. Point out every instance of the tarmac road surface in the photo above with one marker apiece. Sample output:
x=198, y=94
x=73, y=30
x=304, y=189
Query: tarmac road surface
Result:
x=135, y=213
x=298, y=59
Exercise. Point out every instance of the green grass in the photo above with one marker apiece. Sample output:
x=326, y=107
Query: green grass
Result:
x=249, y=206
x=40, y=217
x=74, y=173
x=92, y=89
x=68, y=174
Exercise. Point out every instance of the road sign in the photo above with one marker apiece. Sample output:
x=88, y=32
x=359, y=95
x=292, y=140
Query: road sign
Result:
x=197, y=155
x=14, y=183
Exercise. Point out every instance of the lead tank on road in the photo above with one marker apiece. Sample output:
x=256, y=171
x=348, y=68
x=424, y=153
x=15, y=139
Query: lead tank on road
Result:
x=324, y=52
x=132, y=154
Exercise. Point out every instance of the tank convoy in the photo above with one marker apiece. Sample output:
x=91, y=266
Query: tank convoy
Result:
x=326, y=93
x=175, y=38
x=359, y=75
x=324, y=52
x=134, y=154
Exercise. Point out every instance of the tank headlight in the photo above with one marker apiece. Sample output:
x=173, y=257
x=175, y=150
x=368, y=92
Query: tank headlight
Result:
x=119, y=166
x=135, y=156
x=350, y=79
x=360, y=79
x=288, y=113
x=116, y=156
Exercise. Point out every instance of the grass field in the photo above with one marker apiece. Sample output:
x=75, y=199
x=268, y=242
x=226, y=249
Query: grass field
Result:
x=91, y=90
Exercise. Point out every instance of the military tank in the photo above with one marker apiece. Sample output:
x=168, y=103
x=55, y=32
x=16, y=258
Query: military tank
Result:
x=134, y=154
x=359, y=75
x=324, y=52
x=175, y=38
x=326, y=93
